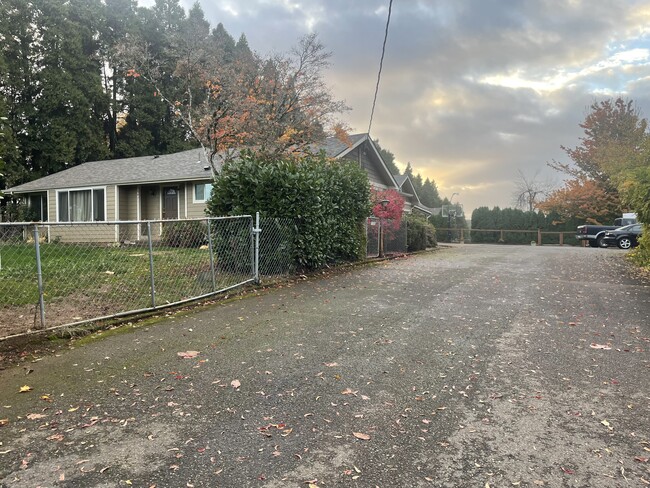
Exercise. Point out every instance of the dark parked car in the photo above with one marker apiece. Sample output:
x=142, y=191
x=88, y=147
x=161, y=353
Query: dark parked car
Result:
x=624, y=237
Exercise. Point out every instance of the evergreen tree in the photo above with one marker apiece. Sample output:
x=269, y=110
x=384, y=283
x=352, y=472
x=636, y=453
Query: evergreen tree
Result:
x=388, y=157
x=224, y=42
x=52, y=83
x=429, y=194
x=148, y=124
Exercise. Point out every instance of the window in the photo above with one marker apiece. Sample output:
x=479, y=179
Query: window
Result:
x=81, y=205
x=202, y=192
x=37, y=204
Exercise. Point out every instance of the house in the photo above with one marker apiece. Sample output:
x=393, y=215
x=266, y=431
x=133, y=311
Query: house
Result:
x=362, y=150
x=171, y=186
x=412, y=202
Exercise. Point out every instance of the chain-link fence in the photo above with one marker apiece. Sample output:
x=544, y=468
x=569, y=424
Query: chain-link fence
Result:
x=385, y=236
x=395, y=238
x=373, y=227
x=63, y=273
x=276, y=247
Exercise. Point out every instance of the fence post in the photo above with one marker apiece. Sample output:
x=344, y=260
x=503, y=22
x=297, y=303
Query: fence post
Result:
x=539, y=236
x=210, y=250
x=39, y=276
x=256, y=249
x=151, y=273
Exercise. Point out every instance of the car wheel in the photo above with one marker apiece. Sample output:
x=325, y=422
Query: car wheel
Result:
x=592, y=243
x=624, y=243
x=600, y=242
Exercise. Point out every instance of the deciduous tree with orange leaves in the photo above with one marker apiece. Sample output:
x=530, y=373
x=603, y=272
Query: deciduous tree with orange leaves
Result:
x=614, y=135
x=277, y=105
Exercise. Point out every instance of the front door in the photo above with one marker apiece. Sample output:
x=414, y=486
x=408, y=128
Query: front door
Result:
x=170, y=202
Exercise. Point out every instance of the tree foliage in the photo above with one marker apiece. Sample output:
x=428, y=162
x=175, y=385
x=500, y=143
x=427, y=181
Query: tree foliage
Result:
x=96, y=79
x=388, y=157
x=614, y=135
x=485, y=219
x=277, y=105
x=387, y=205
x=610, y=169
x=583, y=199
x=328, y=199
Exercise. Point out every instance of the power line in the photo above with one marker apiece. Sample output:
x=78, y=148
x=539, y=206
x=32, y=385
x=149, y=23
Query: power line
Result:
x=381, y=62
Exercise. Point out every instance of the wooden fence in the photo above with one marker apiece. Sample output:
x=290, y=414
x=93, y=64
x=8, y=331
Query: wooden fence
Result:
x=538, y=237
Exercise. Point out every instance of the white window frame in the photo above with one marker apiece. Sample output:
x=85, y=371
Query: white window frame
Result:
x=91, y=188
x=194, y=199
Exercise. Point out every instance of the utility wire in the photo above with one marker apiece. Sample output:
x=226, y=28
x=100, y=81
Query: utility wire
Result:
x=381, y=62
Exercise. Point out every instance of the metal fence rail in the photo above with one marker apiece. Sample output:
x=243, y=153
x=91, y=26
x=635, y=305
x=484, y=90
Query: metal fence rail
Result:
x=57, y=274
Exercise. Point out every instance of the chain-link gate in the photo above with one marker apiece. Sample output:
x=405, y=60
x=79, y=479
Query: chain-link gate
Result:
x=54, y=274
x=385, y=236
x=373, y=227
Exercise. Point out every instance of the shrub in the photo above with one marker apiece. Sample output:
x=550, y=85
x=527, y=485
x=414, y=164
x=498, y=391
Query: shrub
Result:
x=327, y=199
x=184, y=234
x=421, y=234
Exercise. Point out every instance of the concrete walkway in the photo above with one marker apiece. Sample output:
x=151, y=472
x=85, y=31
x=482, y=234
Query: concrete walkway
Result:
x=471, y=366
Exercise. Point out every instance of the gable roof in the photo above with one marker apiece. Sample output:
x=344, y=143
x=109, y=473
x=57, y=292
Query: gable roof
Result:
x=187, y=165
x=400, y=179
x=336, y=148
x=182, y=166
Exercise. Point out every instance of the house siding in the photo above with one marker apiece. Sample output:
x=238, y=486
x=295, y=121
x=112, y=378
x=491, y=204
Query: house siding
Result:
x=362, y=156
x=194, y=210
x=128, y=203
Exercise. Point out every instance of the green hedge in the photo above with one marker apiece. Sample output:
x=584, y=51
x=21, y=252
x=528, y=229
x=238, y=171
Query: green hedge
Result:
x=421, y=234
x=184, y=234
x=329, y=201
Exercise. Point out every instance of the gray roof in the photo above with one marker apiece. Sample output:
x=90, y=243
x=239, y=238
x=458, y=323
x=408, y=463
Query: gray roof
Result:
x=334, y=146
x=400, y=179
x=182, y=166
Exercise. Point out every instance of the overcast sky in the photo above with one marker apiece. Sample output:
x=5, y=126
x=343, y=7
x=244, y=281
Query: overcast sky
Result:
x=472, y=91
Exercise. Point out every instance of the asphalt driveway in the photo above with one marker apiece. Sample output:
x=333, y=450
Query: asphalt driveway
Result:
x=471, y=366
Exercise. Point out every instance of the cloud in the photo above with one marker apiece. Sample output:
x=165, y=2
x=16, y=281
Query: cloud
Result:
x=471, y=91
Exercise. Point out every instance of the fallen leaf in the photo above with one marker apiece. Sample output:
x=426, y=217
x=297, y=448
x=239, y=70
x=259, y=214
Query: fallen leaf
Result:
x=188, y=354
x=3, y=422
x=361, y=435
x=607, y=424
x=593, y=345
x=25, y=388
x=35, y=416
x=641, y=459
x=331, y=365
x=235, y=384
x=567, y=471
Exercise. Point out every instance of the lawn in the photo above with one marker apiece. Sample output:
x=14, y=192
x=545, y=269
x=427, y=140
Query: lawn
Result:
x=107, y=278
